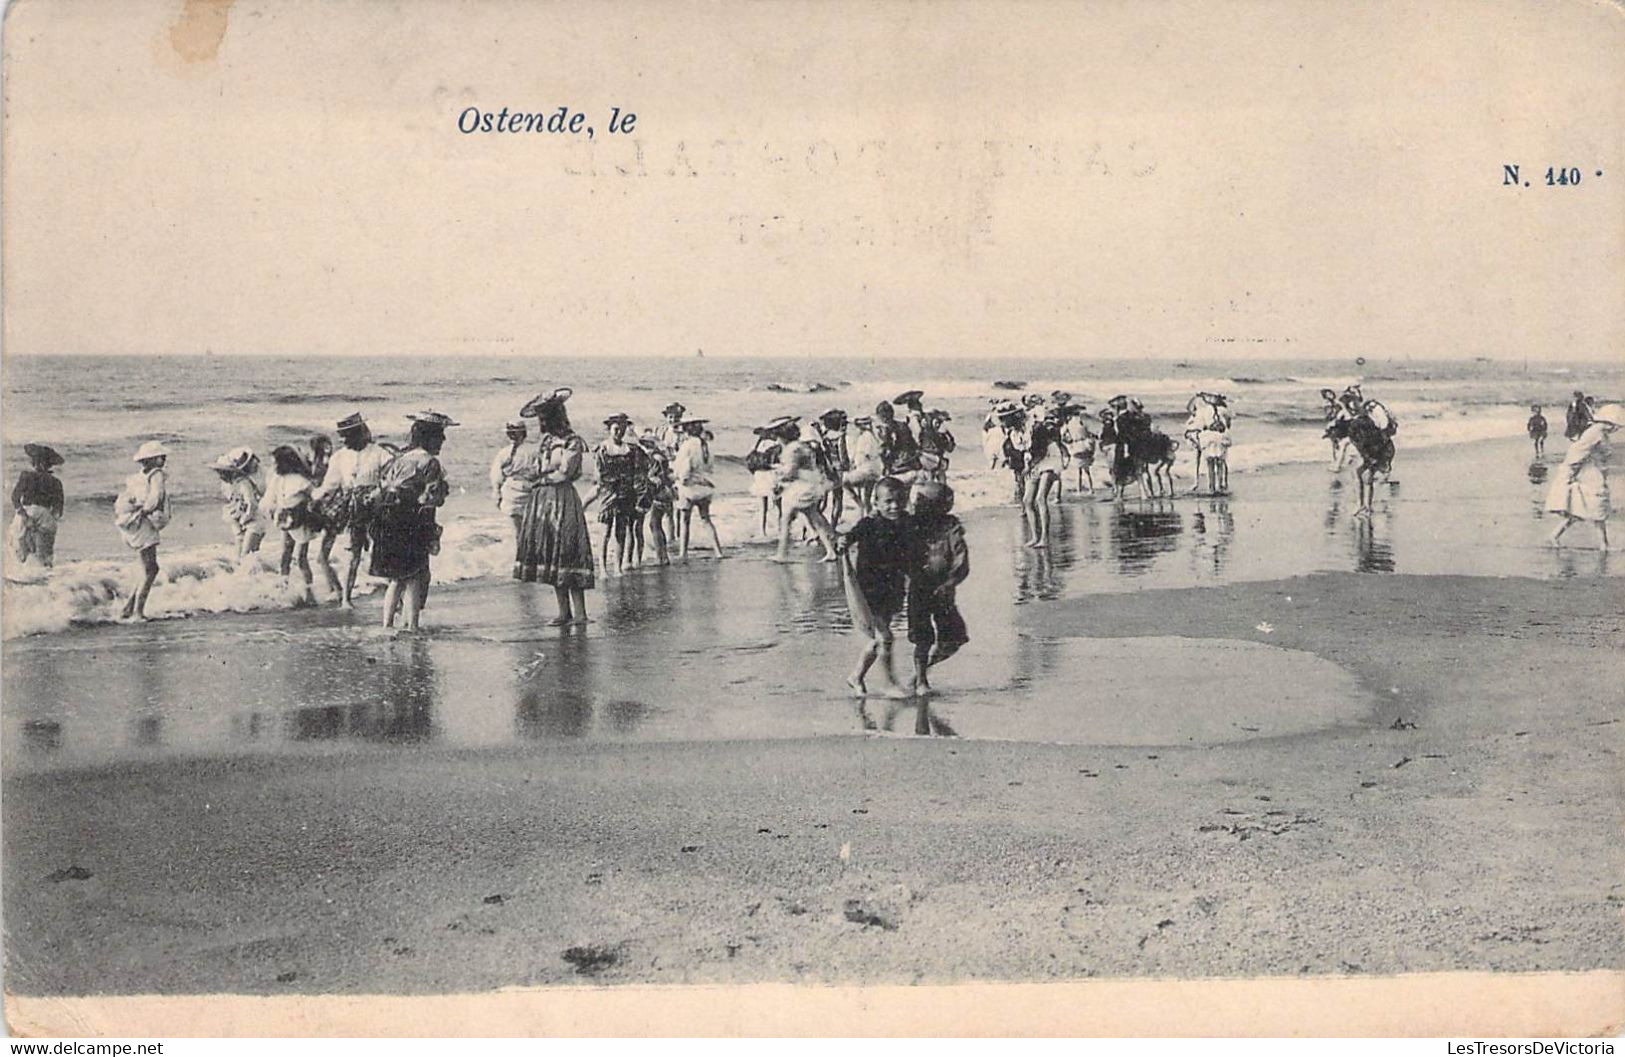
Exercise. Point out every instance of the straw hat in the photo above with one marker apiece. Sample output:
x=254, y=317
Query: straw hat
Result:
x=541, y=400
x=351, y=424
x=152, y=449
x=832, y=413
x=1610, y=414
x=43, y=453
x=619, y=416
x=910, y=397
x=673, y=408
x=433, y=418
x=516, y=425
x=237, y=459
x=776, y=424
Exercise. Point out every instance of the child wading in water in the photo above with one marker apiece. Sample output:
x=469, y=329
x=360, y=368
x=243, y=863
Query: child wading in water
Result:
x=1537, y=430
x=141, y=512
x=880, y=576
x=38, y=503
x=939, y=562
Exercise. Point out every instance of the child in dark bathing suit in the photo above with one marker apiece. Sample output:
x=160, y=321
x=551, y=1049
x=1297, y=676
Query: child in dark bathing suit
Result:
x=883, y=543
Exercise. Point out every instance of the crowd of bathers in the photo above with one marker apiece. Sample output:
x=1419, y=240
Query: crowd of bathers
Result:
x=651, y=486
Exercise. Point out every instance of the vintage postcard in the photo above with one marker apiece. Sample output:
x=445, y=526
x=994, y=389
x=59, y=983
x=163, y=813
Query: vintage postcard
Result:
x=813, y=518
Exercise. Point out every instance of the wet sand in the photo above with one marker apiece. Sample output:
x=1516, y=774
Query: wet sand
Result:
x=1260, y=761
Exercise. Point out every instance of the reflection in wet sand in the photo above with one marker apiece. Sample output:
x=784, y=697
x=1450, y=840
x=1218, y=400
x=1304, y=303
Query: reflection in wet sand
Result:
x=1537, y=473
x=1212, y=529
x=1140, y=534
x=1371, y=554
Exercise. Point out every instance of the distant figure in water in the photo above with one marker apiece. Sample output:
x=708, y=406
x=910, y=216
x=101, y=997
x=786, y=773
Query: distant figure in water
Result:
x=1080, y=444
x=37, y=505
x=404, y=533
x=141, y=512
x=1578, y=416
x=241, y=509
x=1580, y=489
x=1048, y=460
x=555, y=547
x=939, y=562
x=1371, y=433
x=879, y=570
x=1537, y=430
x=658, y=495
x=287, y=505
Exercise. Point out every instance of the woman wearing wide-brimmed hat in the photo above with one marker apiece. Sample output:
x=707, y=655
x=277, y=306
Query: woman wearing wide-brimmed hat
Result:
x=761, y=461
x=37, y=501
x=696, y=483
x=241, y=495
x=404, y=533
x=1580, y=487
x=555, y=545
x=141, y=512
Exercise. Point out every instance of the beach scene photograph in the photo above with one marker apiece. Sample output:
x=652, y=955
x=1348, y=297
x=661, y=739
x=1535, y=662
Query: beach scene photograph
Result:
x=642, y=505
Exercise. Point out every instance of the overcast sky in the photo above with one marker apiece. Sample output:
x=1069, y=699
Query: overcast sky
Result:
x=1082, y=179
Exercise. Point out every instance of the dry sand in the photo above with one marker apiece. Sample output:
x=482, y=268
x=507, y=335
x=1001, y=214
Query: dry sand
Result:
x=1470, y=822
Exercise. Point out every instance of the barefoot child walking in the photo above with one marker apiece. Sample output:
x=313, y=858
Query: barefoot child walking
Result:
x=879, y=574
x=939, y=562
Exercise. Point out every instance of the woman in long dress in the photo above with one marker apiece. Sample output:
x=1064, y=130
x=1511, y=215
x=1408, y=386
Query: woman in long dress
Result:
x=555, y=546
x=1580, y=490
x=404, y=533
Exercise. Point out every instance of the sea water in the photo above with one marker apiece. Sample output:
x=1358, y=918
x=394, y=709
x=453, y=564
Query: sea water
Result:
x=97, y=410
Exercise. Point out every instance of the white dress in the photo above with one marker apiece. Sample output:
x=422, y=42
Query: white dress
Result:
x=803, y=484
x=692, y=468
x=142, y=509
x=285, y=493
x=867, y=465
x=1581, y=486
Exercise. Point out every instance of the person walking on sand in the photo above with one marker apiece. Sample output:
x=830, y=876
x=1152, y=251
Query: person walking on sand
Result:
x=404, y=533
x=346, y=499
x=241, y=495
x=508, y=492
x=1579, y=491
x=1537, y=430
x=802, y=484
x=1578, y=416
x=287, y=505
x=760, y=463
x=141, y=512
x=879, y=573
x=939, y=562
x=37, y=504
x=555, y=546
x=696, y=484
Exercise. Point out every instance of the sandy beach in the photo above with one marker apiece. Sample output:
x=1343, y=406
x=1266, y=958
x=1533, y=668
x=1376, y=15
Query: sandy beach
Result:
x=1196, y=770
